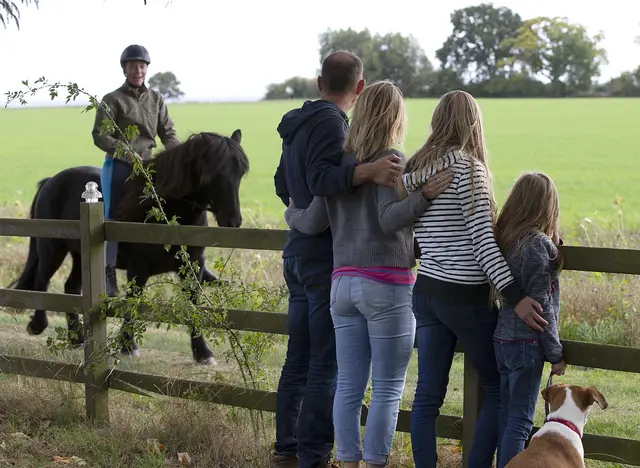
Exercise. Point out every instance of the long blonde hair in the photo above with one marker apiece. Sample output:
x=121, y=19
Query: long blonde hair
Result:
x=533, y=206
x=456, y=124
x=378, y=121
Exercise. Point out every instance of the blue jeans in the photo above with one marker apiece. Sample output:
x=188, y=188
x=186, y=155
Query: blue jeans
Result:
x=441, y=321
x=305, y=425
x=520, y=365
x=375, y=331
x=113, y=176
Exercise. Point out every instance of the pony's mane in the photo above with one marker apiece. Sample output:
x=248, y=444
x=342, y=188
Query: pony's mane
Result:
x=195, y=162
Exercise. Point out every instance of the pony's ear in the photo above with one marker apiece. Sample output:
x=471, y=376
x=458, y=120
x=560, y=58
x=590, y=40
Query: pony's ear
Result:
x=237, y=136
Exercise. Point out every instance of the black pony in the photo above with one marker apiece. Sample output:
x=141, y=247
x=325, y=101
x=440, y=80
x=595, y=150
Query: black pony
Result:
x=201, y=174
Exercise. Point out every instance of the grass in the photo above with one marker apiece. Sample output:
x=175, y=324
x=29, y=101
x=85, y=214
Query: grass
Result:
x=585, y=149
x=585, y=145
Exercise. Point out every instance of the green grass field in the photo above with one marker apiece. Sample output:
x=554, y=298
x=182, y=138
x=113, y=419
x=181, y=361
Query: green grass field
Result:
x=586, y=145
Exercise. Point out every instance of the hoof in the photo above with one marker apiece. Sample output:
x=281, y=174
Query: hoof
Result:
x=210, y=362
x=33, y=331
x=133, y=353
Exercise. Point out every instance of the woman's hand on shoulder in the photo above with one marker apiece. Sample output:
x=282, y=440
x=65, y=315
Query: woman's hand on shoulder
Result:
x=437, y=183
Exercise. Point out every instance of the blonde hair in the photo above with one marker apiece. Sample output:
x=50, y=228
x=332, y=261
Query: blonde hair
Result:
x=378, y=121
x=456, y=124
x=533, y=206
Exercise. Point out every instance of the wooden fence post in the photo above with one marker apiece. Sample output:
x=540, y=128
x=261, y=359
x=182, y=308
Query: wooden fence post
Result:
x=92, y=241
x=471, y=403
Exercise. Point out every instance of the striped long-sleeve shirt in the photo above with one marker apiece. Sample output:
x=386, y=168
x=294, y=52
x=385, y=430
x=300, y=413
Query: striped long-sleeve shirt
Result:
x=455, y=234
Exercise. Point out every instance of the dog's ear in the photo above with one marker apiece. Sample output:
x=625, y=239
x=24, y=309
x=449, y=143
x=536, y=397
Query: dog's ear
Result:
x=552, y=393
x=597, y=397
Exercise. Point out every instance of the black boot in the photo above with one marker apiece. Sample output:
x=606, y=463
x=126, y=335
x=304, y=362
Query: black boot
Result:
x=112, y=281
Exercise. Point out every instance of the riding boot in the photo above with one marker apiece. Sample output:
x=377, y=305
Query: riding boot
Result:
x=112, y=281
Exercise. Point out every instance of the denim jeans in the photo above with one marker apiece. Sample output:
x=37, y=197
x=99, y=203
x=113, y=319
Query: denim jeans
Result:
x=113, y=176
x=440, y=322
x=520, y=365
x=305, y=425
x=375, y=331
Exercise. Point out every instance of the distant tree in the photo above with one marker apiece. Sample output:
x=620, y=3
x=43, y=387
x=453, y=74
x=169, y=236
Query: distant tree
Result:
x=442, y=81
x=625, y=85
x=474, y=47
x=560, y=51
x=294, y=88
x=9, y=11
x=166, y=84
x=393, y=57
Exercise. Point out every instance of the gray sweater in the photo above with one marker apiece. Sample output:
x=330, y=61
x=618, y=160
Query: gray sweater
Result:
x=370, y=227
x=535, y=267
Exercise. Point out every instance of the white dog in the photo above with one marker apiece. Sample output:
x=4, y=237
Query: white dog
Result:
x=558, y=443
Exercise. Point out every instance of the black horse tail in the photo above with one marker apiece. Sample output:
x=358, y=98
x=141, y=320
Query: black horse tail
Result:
x=28, y=276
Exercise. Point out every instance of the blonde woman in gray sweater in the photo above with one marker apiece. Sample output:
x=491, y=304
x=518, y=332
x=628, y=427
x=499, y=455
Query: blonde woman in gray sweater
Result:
x=372, y=278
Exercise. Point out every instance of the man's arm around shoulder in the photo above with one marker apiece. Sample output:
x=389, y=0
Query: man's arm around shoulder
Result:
x=327, y=176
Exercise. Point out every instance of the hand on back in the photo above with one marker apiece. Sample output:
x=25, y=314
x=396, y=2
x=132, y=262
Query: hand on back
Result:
x=437, y=183
x=527, y=309
x=387, y=170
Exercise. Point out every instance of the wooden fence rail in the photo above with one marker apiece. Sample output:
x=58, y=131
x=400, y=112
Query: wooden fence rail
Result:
x=98, y=378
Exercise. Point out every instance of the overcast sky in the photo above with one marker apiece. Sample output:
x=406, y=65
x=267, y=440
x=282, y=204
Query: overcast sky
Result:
x=232, y=49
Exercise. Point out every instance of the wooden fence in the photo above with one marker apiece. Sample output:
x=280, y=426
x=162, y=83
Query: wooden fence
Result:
x=93, y=231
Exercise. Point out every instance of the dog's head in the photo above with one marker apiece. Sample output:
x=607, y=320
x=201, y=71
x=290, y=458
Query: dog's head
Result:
x=581, y=398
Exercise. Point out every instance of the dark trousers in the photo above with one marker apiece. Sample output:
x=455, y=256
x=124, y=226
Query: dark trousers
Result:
x=114, y=174
x=440, y=322
x=304, y=404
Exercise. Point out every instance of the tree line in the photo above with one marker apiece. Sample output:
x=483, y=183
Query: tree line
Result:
x=491, y=52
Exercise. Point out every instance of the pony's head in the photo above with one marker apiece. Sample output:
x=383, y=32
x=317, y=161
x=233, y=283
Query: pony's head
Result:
x=206, y=170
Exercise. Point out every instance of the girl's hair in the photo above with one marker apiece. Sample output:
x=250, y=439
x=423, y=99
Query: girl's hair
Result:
x=531, y=208
x=456, y=124
x=378, y=121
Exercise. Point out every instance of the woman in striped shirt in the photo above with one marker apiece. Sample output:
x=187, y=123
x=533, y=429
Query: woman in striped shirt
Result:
x=459, y=258
x=373, y=257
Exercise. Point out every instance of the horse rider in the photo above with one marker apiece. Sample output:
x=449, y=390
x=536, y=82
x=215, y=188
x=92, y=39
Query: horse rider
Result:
x=131, y=104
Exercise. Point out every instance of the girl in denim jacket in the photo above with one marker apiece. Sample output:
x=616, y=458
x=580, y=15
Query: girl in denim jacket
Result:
x=527, y=233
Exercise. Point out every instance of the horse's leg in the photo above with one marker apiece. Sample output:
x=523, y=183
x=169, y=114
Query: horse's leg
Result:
x=73, y=285
x=208, y=276
x=51, y=254
x=202, y=354
x=128, y=339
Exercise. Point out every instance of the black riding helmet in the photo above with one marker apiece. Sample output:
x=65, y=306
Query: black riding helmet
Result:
x=134, y=52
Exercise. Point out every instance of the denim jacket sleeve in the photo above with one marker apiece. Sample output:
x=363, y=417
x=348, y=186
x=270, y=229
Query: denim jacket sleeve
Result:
x=538, y=259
